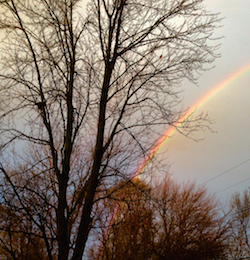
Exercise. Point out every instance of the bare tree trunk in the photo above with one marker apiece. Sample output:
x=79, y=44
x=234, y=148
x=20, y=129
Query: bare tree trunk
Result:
x=93, y=180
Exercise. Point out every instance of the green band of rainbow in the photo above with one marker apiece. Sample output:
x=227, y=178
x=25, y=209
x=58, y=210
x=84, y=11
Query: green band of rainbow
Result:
x=199, y=103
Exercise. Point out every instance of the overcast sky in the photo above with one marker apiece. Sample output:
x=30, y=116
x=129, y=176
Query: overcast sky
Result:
x=230, y=109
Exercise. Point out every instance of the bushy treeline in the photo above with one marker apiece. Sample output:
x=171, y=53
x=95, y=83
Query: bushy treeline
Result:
x=169, y=221
x=140, y=221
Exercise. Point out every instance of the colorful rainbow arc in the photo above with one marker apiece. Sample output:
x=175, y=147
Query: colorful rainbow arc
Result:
x=199, y=103
x=170, y=132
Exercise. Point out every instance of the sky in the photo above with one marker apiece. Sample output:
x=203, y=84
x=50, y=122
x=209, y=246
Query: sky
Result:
x=222, y=159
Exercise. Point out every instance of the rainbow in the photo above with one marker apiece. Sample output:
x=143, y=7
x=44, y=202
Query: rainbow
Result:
x=199, y=103
x=171, y=131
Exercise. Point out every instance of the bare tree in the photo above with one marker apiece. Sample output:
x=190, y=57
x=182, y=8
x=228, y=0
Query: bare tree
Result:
x=191, y=225
x=86, y=89
x=18, y=239
x=126, y=229
x=178, y=222
x=240, y=215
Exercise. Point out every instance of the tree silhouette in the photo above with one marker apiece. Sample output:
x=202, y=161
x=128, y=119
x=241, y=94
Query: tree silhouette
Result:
x=90, y=92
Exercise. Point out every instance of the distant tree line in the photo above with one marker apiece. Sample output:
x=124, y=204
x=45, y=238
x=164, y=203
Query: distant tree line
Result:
x=140, y=221
x=172, y=221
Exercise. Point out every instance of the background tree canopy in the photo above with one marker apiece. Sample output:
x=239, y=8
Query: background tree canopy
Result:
x=177, y=222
